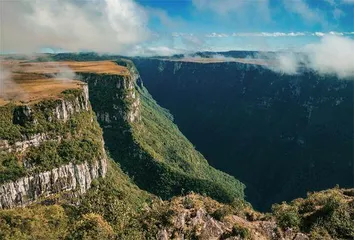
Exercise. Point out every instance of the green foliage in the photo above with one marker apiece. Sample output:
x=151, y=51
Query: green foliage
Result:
x=54, y=154
x=329, y=212
x=38, y=222
x=41, y=119
x=10, y=167
x=222, y=212
x=287, y=216
x=7, y=129
x=79, y=150
x=153, y=151
x=80, y=138
x=173, y=158
x=91, y=227
x=117, y=200
x=240, y=231
x=111, y=209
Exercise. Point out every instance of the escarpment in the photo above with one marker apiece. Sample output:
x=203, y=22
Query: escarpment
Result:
x=282, y=135
x=142, y=137
x=54, y=145
x=48, y=147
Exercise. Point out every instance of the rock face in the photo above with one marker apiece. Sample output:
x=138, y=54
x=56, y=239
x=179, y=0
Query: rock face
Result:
x=69, y=177
x=114, y=92
x=65, y=109
x=28, y=141
x=61, y=110
x=47, y=124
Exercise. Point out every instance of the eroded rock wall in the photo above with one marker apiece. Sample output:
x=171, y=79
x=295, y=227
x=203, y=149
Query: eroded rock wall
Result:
x=70, y=177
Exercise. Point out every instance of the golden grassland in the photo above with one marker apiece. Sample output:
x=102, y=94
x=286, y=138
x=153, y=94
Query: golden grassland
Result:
x=100, y=67
x=25, y=82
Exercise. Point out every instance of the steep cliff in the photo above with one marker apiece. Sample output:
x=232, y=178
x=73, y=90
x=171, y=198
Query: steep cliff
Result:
x=282, y=135
x=141, y=136
x=49, y=147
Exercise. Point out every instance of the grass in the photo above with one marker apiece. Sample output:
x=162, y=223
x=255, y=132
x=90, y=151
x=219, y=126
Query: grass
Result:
x=30, y=82
x=98, y=67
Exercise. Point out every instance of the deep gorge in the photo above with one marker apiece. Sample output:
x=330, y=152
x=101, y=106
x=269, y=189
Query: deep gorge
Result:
x=281, y=135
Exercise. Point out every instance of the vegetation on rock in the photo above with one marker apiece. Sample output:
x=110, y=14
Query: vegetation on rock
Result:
x=75, y=140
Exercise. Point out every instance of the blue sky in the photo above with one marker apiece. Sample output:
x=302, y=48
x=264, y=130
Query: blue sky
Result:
x=275, y=16
x=148, y=27
x=231, y=20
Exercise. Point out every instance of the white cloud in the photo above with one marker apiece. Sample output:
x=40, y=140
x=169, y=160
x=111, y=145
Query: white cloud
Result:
x=103, y=26
x=348, y=1
x=217, y=35
x=301, y=8
x=148, y=51
x=319, y=34
x=269, y=34
x=332, y=55
x=7, y=83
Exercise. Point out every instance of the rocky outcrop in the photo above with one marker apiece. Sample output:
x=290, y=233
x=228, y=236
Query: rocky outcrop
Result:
x=70, y=177
x=25, y=115
x=193, y=217
x=119, y=93
x=65, y=109
x=42, y=122
x=21, y=146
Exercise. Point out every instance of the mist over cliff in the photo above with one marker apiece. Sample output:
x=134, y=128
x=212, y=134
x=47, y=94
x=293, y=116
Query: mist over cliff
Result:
x=282, y=135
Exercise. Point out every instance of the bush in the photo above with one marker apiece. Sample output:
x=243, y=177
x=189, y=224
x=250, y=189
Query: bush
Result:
x=240, y=231
x=222, y=212
x=91, y=227
x=10, y=167
x=287, y=216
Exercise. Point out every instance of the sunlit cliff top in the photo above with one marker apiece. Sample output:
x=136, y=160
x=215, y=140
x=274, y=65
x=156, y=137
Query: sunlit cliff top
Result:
x=25, y=82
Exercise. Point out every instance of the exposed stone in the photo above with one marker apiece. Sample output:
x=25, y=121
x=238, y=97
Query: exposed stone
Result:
x=301, y=236
x=23, y=115
x=162, y=235
x=65, y=109
x=70, y=177
x=21, y=146
x=212, y=229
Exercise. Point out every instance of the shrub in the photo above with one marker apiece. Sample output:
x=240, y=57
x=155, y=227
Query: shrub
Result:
x=222, y=212
x=287, y=216
x=91, y=226
x=240, y=231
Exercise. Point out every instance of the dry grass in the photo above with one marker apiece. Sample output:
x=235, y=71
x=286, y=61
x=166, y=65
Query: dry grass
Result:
x=24, y=82
x=100, y=67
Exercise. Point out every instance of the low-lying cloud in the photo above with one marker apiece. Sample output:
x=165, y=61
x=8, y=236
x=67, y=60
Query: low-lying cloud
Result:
x=7, y=83
x=332, y=55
